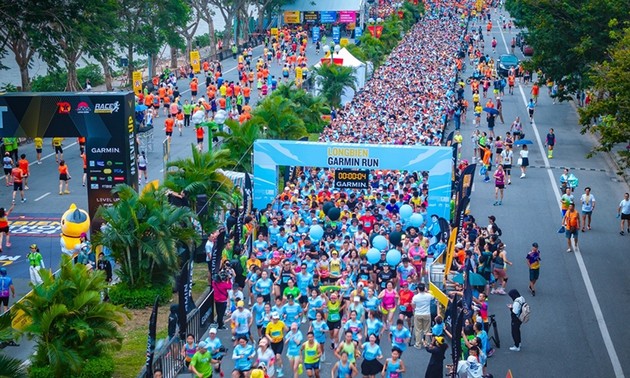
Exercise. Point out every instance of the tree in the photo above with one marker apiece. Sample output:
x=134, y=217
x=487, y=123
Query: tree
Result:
x=277, y=119
x=72, y=29
x=9, y=367
x=144, y=231
x=205, y=12
x=310, y=108
x=229, y=10
x=608, y=114
x=333, y=80
x=239, y=142
x=200, y=175
x=69, y=321
x=569, y=36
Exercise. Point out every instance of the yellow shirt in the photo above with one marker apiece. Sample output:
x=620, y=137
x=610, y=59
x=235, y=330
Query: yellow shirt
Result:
x=275, y=331
x=39, y=142
x=57, y=142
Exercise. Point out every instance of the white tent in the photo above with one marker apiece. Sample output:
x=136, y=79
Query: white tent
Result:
x=359, y=67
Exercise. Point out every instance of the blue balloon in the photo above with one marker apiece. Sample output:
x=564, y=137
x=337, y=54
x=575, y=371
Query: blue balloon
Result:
x=316, y=232
x=379, y=242
x=393, y=257
x=405, y=211
x=373, y=255
x=416, y=220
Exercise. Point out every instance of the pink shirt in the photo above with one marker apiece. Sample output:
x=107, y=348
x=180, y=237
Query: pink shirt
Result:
x=221, y=290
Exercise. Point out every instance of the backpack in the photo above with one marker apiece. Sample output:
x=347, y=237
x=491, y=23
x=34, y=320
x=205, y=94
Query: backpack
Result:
x=525, y=310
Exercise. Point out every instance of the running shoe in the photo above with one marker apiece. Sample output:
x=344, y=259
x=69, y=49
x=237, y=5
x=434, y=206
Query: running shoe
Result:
x=515, y=348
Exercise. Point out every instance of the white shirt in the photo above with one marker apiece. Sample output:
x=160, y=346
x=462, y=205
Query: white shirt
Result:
x=587, y=203
x=422, y=303
x=507, y=156
x=209, y=246
x=625, y=206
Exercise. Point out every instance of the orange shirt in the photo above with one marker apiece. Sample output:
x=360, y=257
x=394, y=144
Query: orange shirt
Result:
x=535, y=90
x=168, y=123
x=211, y=94
x=200, y=132
x=84, y=157
x=180, y=116
x=246, y=91
x=23, y=164
x=222, y=103
x=206, y=66
x=161, y=92
x=63, y=169
x=81, y=140
x=148, y=101
x=237, y=90
x=17, y=174
x=194, y=86
x=229, y=91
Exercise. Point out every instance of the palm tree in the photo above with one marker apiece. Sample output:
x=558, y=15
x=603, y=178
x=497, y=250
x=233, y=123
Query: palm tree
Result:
x=9, y=367
x=309, y=107
x=239, y=142
x=68, y=319
x=278, y=119
x=199, y=175
x=143, y=231
x=333, y=80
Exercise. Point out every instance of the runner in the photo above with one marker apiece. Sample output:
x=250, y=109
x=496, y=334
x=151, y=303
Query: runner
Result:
x=24, y=166
x=7, y=164
x=275, y=334
x=623, y=212
x=17, y=174
x=242, y=355
x=312, y=355
x=57, y=144
x=571, y=223
x=588, y=206
x=39, y=144
x=294, y=339
x=6, y=287
x=142, y=167
x=64, y=177
x=533, y=262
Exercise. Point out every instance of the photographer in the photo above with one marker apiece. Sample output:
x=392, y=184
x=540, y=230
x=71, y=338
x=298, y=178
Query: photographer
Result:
x=437, y=348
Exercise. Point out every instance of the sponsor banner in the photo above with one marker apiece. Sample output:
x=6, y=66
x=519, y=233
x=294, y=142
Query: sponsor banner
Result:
x=327, y=17
x=346, y=17
x=336, y=34
x=205, y=310
x=311, y=17
x=315, y=32
x=358, y=32
x=292, y=17
x=195, y=61
x=352, y=179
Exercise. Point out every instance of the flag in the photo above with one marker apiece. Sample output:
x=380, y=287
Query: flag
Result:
x=246, y=209
x=184, y=297
x=457, y=322
x=151, y=339
x=460, y=212
x=217, y=252
x=466, y=182
x=468, y=294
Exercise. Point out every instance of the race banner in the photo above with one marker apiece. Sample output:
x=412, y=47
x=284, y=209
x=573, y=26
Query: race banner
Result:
x=358, y=32
x=136, y=79
x=292, y=17
x=311, y=17
x=327, y=17
x=346, y=17
x=315, y=32
x=151, y=339
x=466, y=179
x=195, y=61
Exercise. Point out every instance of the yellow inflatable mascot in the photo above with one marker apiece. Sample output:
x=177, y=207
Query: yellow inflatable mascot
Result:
x=74, y=222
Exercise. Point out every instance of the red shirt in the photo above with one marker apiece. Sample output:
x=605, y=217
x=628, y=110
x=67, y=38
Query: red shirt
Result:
x=368, y=223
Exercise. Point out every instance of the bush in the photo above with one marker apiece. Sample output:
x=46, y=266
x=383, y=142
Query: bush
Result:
x=100, y=367
x=55, y=81
x=97, y=367
x=121, y=294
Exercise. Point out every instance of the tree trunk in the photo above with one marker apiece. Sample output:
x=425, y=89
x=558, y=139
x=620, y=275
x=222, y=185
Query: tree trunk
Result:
x=261, y=18
x=154, y=63
x=212, y=37
x=173, y=57
x=23, y=54
x=107, y=73
x=25, y=79
x=130, y=66
x=72, y=85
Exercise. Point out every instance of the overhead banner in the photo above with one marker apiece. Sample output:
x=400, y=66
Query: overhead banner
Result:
x=195, y=61
x=315, y=34
x=136, y=78
x=311, y=17
x=346, y=17
x=352, y=179
x=336, y=34
x=269, y=154
x=105, y=119
x=327, y=17
x=292, y=17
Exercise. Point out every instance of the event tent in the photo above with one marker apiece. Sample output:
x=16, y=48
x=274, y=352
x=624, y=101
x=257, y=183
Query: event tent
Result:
x=349, y=60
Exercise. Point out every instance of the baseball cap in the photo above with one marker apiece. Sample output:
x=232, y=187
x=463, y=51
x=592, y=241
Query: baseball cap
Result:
x=33, y=246
x=459, y=246
x=492, y=218
x=213, y=330
x=240, y=304
x=202, y=345
x=275, y=315
x=535, y=244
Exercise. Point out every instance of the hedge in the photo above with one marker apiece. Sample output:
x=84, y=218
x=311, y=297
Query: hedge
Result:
x=96, y=367
x=120, y=294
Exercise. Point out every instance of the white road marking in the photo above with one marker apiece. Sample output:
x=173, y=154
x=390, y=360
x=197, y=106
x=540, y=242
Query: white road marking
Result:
x=52, y=153
x=42, y=196
x=590, y=290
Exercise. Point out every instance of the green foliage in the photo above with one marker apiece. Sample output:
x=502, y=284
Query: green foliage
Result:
x=608, y=114
x=199, y=175
x=569, y=37
x=56, y=79
x=277, y=119
x=68, y=320
x=333, y=80
x=202, y=40
x=144, y=232
x=238, y=142
x=8, y=87
x=310, y=108
x=142, y=297
x=98, y=367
